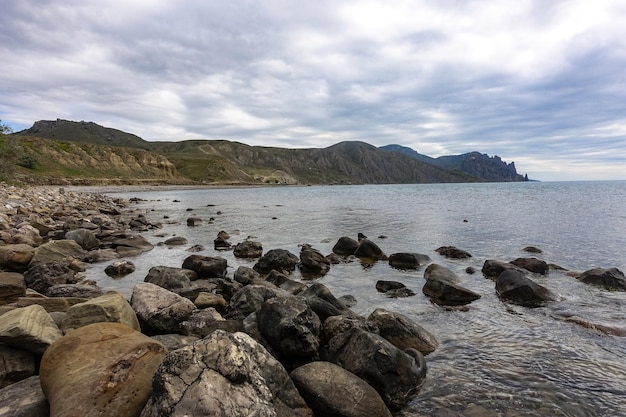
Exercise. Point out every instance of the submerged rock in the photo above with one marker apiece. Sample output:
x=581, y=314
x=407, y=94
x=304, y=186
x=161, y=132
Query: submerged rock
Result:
x=516, y=287
x=532, y=264
x=345, y=246
x=405, y=260
x=402, y=332
x=443, y=288
x=453, y=252
x=279, y=259
x=611, y=278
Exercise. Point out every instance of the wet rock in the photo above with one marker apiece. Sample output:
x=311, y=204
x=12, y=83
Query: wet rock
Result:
x=453, y=252
x=24, y=399
x=176, y=241
x=16, y=257
x=443, y=288
x=283, y=282
x=227, y=375
x=516, y=287
x=532, y=264
x=610, y=279
x=348, y=301
x=159, y=310
x=330, y=390
x=406, y=260
x=101, y=255
x=345, y=246
x=12, y=286
x=170, y=278
x=532, y=249
x=279, y=259
x=30, y=328
x=104, y=369
x=493, y=268
x=15, y=365
x=336, y=325
x=85, y=238
x=290, y=327
x=206, y=266
x=402, y=332
x=110, y=307
x=119, y=269
x=248, y=249
x=394, y=289
x=221, y=244
x=42, y=276
x=394, y=374
x=323, y=302
x=194, y=221
x=131, y=245
x=370, y=250
x=313, y=262
x=602, y=328
x=74, y=291
x=246, y=275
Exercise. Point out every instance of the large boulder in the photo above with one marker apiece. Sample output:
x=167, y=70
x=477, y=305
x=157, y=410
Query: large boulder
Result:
x=611, y=278
x=246, y=275
x=170, y=278
x=396, y=375
x=402, y=332
x=443, y=288
x=206, y=266
x=250, y=299
x=103, y=369
x=290, y=327
x=159, y=310
x=85, y=238
x=330, y=390
x=42, y=276
x=24, y=399
x=130, y=245
x=248, y=249
x=370, y=250
x=312, y=262
x=345, y=246
x=283, y=282
x=12, y=286
x=324, y=303
x=110, y=307
x=224, y=374
x=30, y=328
x=405, y=260
x=15, y=365
x=492, y=268
x=453, y=252
x=532, y=264
x=516, y=287
x=63, y=251
x=16, y=257
x=279, y=259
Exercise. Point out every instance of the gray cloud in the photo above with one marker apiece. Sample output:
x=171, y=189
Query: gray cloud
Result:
x=540, y=84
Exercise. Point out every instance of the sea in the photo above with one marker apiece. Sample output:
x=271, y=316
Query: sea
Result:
x=496, y=358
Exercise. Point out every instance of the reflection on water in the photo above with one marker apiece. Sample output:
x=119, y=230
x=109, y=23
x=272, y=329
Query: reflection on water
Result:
x=495, y=359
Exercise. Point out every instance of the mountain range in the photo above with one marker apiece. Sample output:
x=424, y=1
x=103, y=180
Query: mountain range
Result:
x=62, y=151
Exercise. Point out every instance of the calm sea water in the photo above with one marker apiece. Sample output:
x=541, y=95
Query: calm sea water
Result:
x=496, y=359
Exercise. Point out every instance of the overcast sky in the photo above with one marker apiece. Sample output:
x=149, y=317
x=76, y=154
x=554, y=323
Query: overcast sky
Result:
x=541, y=83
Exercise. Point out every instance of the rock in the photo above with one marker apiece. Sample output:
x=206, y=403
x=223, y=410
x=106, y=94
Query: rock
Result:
x=312, y=262
x=119, y=269
x=220, y=243
x=104, y=369
x=290, y=327
x=402, y=332
x=130, y=245
x=610, y=330
x=62, y=251
x=16, y=257
x=159, y=310
x=532, y=265
x=42, y=276
x=246, y=275
x=85, y=238
x=30, y=328
x=250, y=298
x=348, y=301
x=24, y=399
x=248, y=249
x=210, y=300
x=345, y=246
x=493, y=268
x=283, y=282
x=194, y=221
x=12, y=286
x=453, y=252
x=206, y=266
x=336, y=325
x=50, y=304
x=101, y=255
x=170, y=278
x=368, y=249
x=324, y=303
x=514, y=286
x=15, y=365
x=532, y=249
x=443, y=288
x=110, y=307
x=385, y=286
x=26, y=234
x=405, y=260
x=176, y=241
x=394, y=374
x=611, y=278
x=279, y=259
x=223, y=374
x=330, y=390
x=199, y=322
x=174, y=341
x=74, y=291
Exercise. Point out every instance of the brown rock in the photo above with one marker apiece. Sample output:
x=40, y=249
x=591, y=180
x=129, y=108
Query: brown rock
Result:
x=110, y=307
x=12, y=287
x=29, y=328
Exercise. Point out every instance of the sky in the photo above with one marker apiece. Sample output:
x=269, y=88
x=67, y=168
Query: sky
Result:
x=541, y=83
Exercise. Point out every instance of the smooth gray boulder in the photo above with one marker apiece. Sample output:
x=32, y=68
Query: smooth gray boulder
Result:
x=345, y=246
x=85, y=238
x=405, y=260
x=532, y=264
x=403, y=332
x=206, y=266
x=159, y=310
x=443, y=288
x=370, y=250
x=312, y=262
x=516, y=287
x=610, y=279
x=224, y=374
x=330, y=390
x=493, y=268
x=248, y=249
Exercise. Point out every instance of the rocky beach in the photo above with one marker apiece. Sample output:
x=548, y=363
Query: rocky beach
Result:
x=198, y=340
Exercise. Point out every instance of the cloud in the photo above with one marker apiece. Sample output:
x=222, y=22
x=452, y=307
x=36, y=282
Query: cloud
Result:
x=538, y=83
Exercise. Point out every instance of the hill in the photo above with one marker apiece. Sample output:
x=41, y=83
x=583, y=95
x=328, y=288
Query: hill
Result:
x=63, y=150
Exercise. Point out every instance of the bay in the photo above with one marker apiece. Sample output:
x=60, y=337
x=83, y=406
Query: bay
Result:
x=495, y=358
